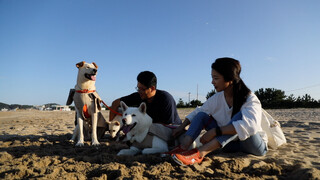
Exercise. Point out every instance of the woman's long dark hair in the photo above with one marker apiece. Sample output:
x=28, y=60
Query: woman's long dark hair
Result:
x=230, y=69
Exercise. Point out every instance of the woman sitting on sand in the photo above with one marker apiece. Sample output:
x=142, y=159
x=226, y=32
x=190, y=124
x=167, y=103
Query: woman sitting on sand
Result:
x=231, y=117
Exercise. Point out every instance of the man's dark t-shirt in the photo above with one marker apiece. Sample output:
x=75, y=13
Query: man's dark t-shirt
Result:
x=162, y=109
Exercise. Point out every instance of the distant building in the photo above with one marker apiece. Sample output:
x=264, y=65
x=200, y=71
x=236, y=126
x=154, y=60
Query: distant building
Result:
x=60, y=108
x=41, y=108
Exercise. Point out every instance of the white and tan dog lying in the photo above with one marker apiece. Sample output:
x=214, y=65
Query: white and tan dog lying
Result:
x=147, y=137
x=90, y=122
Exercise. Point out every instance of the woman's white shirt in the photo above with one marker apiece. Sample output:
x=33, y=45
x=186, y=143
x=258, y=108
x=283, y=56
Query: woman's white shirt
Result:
x=251, y=115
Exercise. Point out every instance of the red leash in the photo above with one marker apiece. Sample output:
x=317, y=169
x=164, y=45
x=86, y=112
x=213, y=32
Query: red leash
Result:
x=112, y=110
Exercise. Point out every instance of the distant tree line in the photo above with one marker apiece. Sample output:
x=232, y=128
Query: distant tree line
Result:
x=270, y=98
x=193, y=103
x=14, y=106
x=18, y=106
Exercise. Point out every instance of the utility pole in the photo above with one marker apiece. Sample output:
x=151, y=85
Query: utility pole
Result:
x=189, y=97
x=197, y=91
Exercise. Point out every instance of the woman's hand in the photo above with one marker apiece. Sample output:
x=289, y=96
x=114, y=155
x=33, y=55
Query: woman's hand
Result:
x=208, y=136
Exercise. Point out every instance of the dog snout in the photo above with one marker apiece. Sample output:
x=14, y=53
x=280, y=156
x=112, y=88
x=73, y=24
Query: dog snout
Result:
x=95, y=71
x=124, y=120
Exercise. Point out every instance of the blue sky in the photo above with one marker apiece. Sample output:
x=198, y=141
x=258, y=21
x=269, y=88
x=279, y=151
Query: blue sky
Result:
x=277, y=43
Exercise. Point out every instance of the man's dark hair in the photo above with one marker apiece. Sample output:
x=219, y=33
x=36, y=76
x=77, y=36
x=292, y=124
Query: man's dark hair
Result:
x=147, y=78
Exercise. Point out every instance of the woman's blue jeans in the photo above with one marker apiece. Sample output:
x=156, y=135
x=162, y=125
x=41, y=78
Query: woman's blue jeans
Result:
x=252, y=145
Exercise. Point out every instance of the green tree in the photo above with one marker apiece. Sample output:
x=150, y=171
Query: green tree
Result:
x=307, y=98
x=195, y=103
x=211, y=93
x=180, y=103
x=271, y=97
x=291, y=98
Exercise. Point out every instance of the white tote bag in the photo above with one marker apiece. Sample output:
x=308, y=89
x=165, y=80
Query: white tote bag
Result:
x=273, y=129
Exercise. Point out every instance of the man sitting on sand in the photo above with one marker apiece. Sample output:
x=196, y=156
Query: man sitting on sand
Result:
x=161, y=106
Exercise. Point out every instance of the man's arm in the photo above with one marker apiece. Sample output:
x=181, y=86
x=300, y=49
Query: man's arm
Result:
x=115, y=105
x=131, y=100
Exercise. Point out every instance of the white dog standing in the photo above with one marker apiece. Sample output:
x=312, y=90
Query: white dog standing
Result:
x=138, y=127
x=87, y=105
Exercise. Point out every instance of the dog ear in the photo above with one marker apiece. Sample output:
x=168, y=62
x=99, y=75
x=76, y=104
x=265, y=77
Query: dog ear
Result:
x=95, y=65
x=123, y=105
x=143, y=108
x=80, y=64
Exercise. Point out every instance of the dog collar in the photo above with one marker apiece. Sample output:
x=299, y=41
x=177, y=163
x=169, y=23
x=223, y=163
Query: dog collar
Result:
x=85, y=91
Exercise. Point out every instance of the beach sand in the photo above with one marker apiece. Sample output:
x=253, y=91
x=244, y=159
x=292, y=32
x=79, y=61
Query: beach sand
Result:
x=34, y=145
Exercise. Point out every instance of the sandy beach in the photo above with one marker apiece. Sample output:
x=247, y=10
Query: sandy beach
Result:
x=34, y=145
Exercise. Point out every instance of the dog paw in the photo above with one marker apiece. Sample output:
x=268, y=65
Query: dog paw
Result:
x=79, y=144
x=95, y=143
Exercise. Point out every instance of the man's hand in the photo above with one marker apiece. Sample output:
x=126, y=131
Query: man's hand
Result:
x=179, y=130
x=176, y=132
